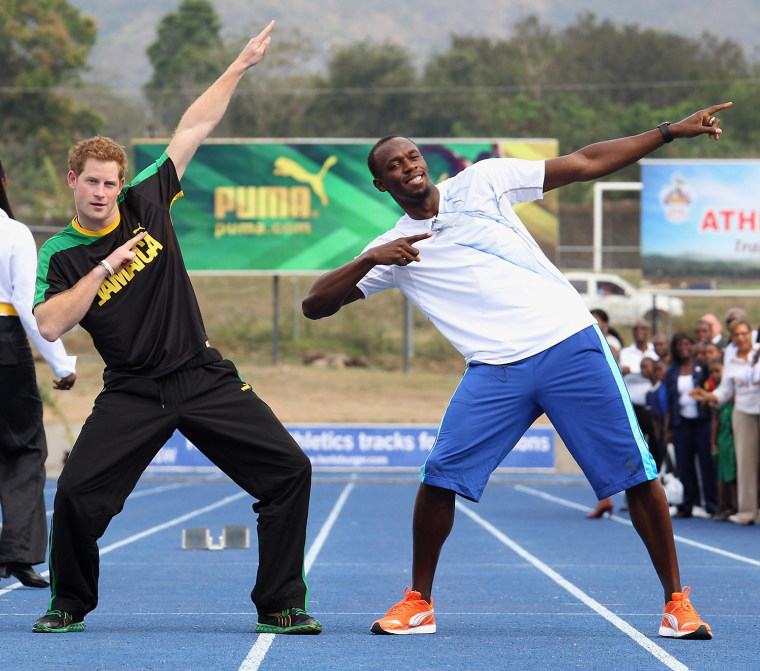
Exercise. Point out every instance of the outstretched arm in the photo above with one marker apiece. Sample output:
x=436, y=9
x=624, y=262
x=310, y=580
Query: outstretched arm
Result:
x=337, y=288
x=604, y=158
x=206, y=112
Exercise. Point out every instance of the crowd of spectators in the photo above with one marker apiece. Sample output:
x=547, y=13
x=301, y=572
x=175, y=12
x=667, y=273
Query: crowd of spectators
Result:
x=696, y=397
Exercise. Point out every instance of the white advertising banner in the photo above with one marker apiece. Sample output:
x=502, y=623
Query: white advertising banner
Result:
x=368, y=446
x=700, y=221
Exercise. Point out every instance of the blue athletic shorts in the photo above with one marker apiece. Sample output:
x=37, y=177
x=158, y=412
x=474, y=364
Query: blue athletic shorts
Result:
x=577, y=383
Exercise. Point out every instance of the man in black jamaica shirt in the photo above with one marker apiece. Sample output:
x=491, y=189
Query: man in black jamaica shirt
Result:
x=117, y=270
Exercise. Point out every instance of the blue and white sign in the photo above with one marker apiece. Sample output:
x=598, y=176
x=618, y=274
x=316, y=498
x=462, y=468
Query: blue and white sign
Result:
x=700, y=220
x=367, y=446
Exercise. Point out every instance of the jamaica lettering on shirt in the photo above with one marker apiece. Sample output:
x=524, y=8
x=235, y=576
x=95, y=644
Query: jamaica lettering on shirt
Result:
x=146, y=250
x=144, y=320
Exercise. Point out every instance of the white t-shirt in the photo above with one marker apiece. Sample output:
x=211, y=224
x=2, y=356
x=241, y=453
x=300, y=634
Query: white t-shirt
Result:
x=736, y=383
x=482, y=279
x=18, y=273
x=637, y=384
x=687, y=405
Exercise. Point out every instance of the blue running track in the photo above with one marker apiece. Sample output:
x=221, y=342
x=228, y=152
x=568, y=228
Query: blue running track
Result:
x=525, y=582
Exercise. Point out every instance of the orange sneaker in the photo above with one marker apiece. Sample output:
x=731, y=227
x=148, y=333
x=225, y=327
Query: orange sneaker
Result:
x=680, y=620
x=412, y=615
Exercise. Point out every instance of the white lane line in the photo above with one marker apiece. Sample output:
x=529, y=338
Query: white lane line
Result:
x=260, y=648
x=149, y=532
x=622, y=520
x=257, y=652
x=147, y=492
x=324, y=532
x=159, y=490
x=654, y=649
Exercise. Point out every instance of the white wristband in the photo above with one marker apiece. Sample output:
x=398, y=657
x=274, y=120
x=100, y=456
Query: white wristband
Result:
x=108, y=267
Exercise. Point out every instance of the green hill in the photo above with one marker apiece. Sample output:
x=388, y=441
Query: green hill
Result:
x=127, y=27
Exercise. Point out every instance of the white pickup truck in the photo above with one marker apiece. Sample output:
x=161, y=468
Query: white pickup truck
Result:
x=621, y=300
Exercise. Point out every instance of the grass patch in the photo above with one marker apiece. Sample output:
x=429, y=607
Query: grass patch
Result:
x=239, y=316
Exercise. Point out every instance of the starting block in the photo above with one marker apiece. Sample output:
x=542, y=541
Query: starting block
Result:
x=234, y=537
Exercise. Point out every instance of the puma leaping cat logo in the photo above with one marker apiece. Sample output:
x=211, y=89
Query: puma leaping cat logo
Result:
x=285, y=167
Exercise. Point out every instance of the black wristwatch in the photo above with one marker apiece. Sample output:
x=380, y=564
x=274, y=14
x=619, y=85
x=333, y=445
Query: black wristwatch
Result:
x=666, y=132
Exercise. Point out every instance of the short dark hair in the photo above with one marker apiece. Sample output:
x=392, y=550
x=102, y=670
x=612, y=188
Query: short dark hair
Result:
x=598, y=312
x=372, y=158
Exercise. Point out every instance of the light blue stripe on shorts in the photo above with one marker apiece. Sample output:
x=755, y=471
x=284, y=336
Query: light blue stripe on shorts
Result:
x=577, y=383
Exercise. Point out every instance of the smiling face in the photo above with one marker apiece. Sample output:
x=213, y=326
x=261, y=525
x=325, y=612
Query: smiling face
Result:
x=402, y=172
x=683, y=349
x=96, y=190
x=741, y=336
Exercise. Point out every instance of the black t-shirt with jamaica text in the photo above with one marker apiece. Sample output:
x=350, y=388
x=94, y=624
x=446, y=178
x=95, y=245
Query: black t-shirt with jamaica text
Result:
x=145, y=319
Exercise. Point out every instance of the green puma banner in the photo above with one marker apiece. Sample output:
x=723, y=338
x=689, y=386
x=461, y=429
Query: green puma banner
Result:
x=300, y=206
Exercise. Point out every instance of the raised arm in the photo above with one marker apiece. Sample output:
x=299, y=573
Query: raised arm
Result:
x=604, y=158
x=206, y=112
x=337, y=288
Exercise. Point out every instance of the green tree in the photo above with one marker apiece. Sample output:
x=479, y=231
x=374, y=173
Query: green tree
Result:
x=467, y=86
x=275, y=100
x=630, y=64
x=43, y=49
x=369, y=91
x=742, y=136
x=589, y=62
x=186, y=58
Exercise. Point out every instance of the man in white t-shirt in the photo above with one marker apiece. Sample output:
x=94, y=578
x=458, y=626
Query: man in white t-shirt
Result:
x=464, y=258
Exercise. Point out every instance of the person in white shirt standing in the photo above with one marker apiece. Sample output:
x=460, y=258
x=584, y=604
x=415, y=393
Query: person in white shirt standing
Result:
x=461, y=254
x=729, y=352
x=638, y=386
x=23, y=446
x=739, y=383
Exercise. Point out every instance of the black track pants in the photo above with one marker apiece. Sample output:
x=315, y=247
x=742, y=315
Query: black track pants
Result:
x=214, y=409
x=23, y=450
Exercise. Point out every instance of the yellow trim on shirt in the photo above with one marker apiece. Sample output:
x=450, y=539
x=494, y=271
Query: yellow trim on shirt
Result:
x=8, y=309
x=96, y=234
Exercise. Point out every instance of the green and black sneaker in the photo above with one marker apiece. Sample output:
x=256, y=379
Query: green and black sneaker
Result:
x=57, y=622
x=288, y=621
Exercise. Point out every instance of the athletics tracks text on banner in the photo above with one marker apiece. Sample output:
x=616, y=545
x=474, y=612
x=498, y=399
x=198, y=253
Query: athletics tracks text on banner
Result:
x=366, y=446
